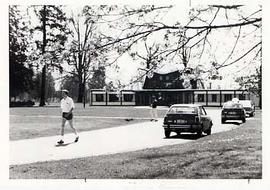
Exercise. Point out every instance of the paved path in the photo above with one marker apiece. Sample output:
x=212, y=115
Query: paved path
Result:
x=100, y=142
x=97, y=142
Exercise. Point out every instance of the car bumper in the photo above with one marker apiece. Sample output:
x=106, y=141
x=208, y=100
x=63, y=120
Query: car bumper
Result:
x=184, y=128
x=233, y=117
x=249, y=112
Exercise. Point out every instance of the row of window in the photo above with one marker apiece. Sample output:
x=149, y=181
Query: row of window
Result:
x=227, y=97
x=166, y=78
x=114, y=97
x=200, y=97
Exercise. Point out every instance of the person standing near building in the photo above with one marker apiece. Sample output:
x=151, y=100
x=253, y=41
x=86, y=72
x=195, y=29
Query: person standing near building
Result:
x=153, y=111
x=67, y=106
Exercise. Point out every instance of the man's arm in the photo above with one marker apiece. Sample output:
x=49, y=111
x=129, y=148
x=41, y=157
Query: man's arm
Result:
x=70, y=111
x=72, y=106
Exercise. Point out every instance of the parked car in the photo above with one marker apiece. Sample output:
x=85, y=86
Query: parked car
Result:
x=249, y=107
x=233, y=111
x=190, y=118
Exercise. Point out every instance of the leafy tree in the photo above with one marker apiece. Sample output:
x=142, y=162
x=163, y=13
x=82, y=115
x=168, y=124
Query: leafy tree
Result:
x=85, y=55
x=192, y=38
x=20, y=75
x=253, y=83
x=53, y=28
x=97, y=81
x=70, y=82
x=50, y=86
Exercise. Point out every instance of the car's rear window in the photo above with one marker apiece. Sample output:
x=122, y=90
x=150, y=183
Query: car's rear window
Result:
x=183, y=109
x=245, y=103
x=232, y=105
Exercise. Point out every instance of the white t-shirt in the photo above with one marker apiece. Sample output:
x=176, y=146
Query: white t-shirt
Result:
x=67, y=104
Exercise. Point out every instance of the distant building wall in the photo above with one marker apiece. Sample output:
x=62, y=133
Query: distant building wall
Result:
x=166, y=97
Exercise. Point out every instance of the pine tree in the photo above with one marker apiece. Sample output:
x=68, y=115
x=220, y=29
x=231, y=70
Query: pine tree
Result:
x=20, y=75
x=53, y=27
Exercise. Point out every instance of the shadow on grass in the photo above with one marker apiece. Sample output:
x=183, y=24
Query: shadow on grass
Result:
x=158, y=155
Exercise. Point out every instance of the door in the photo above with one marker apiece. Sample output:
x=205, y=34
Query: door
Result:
x=206, y=120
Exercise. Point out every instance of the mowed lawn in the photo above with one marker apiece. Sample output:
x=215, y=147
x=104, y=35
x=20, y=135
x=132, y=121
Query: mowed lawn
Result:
x=33, y=122
x=235, y=154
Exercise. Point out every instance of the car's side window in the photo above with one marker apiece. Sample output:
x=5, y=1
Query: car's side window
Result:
x=202, y=111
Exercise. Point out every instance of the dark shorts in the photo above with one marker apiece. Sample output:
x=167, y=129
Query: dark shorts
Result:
x=67, y=116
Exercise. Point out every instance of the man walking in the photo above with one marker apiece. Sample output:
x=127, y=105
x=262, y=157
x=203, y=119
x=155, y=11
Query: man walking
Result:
x=153, y=111
x=67, y=106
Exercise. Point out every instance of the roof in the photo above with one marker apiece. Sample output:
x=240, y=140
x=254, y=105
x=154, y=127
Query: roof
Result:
x=187, y=105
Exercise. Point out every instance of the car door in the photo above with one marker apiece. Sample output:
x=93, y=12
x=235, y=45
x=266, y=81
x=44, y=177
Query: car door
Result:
x=206, y=120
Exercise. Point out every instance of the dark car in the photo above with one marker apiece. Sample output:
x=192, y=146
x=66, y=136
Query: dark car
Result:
x=190, y=118
x=233, y=111
x=249, y=107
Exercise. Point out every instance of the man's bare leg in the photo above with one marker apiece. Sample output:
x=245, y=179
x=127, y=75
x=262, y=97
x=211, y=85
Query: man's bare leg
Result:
x=74, y=130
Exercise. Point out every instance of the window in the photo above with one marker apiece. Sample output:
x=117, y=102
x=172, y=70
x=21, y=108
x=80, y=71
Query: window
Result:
x=113, y=98
x=202, y=111
x=214, y=98
x=183, y=109
x=128, y=97
x=99, y=97
x=200, y=97
x=228, y=97
x=167, y=78
x=241, y=96
x=160, y=78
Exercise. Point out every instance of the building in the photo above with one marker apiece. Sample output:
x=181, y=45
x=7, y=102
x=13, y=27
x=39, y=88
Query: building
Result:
x=168, y=89
x=166, y=97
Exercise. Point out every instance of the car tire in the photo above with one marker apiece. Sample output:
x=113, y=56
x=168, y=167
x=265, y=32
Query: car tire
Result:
x=223, y=121
x=244, y=120
x=208, y=132
x=167, y=133
x=199, y=133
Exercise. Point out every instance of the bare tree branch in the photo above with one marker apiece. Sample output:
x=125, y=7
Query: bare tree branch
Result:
x=227, y=25
x=241, y=56
x=229, y=56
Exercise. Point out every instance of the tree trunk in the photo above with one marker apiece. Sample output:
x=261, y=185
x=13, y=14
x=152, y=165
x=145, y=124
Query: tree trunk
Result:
x=81, y=89
x=43, y=79
x=84, y=94
x=43, y=87
x=260, y=88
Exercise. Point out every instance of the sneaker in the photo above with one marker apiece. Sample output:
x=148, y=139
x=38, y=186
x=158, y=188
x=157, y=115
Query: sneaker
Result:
x=76, y=139
x=60, y=142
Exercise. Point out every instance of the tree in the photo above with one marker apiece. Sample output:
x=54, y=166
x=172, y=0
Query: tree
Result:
x=53, y=27
x=20, y=75
x=70, y=82
x=50, y=86
x=83, y=47
x=150, y=60
x=97, y=81
x=253, y=83
x=193, y=37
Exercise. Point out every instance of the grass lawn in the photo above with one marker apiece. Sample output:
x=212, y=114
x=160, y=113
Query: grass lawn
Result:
x=26, y=123
x=235, y=154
